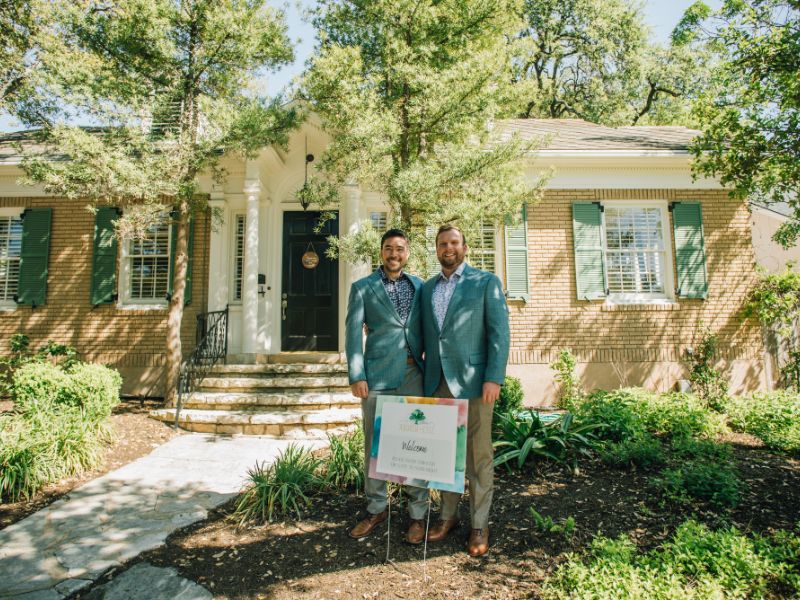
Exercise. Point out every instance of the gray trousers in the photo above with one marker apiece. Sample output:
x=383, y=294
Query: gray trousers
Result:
x=480, y=456
x=375, y=489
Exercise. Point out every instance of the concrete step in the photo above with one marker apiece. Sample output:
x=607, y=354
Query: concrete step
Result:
x=278, y=369
x=288, y=358
x=267, y=382
x=289, y=424
x=271, y=401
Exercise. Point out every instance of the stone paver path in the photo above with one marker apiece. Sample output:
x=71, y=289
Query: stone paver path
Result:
x=107, y=521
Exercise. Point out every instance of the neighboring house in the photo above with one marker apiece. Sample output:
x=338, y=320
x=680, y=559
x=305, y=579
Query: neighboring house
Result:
x=622, y=260
x=765, y=221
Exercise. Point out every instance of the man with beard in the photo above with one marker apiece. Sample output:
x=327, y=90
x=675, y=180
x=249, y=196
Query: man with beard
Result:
x=386, y=305
x=467, y=338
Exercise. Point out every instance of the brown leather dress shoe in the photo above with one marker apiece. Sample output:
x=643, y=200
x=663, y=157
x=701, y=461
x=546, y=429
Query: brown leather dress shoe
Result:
x=439, y=531
x=478, y=542
x=416, y=532
x=364, y=527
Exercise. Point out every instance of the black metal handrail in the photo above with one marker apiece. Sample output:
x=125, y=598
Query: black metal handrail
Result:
x=212, y=345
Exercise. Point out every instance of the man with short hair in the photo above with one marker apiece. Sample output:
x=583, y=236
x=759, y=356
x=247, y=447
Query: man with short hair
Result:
x=467, y=338
x=386, y=304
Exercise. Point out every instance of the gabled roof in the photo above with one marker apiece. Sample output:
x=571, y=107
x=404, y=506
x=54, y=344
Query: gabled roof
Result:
x=580, y=135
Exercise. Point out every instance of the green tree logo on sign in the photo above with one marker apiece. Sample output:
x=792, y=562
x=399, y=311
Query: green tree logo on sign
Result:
x=417, y=417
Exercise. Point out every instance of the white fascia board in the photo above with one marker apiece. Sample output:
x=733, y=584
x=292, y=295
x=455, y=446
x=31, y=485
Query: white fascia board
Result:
x=619, y=170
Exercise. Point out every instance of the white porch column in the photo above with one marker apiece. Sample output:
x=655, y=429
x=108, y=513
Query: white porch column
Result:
x=353, y=206
x=218, y=251
x=252, y=192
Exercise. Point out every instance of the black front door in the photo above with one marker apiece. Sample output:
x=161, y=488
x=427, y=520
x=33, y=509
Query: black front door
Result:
x=310, y=296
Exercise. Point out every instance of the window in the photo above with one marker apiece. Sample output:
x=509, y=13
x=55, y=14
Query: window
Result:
x=148, y=264
x=239, y=231
x=378, y=220
x=483, y=250
x=10, y=250
x=637, y=251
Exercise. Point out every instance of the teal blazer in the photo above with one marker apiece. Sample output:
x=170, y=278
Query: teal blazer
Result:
x=381, y=362
x=472, y=346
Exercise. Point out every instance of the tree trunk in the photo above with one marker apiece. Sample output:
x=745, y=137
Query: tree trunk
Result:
x=174, y=353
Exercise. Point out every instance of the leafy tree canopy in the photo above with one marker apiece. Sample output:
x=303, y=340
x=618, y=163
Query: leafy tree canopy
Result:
x=170, y=86
x=750, y=114
x=593, y=59
x=408, y=91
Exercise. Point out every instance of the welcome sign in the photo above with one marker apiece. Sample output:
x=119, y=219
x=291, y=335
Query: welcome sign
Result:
x=420, y=441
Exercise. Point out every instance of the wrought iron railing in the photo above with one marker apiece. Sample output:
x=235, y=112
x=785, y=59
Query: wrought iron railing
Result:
x=212, y=346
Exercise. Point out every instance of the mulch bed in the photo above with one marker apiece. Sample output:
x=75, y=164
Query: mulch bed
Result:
x=136, y=436
x=314, y=557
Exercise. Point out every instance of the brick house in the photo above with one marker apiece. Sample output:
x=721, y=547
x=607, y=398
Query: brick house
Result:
x=621, y=261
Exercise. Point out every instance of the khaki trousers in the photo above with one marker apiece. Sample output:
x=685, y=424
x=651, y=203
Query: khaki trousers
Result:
x=375, y=489
x=480, y=456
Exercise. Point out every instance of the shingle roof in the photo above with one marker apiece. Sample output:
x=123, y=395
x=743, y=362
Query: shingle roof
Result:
x=576, y=134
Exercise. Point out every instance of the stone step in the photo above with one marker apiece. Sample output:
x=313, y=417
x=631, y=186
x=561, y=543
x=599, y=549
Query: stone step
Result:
x=256, y=384
x=288, y=358
x=272, y=401
x=278, y=369
x=291, y=424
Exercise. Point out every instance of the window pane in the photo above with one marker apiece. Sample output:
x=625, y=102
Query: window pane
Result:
x=635, y=250
x=149, y=263
x=10, y=249
x=483, y=251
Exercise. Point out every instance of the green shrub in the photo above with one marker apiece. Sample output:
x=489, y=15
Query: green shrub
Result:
x=642, y=450
x=712, y=482
x=708, y=382
x=281, y=488
x=695, y=563
x=21, y=354
x=562, y=440
x=59, y=426
x=774, y=418
x=343, y=467
x=511, y=398
x=571, y=390
x=546, y=524
x=629, y=413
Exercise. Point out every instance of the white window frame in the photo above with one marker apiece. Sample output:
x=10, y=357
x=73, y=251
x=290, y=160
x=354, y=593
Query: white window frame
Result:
x=385, y=212
x=668, y=296
x=499, y=250
x=11, y=212
x=126, y=300
x=234, y=218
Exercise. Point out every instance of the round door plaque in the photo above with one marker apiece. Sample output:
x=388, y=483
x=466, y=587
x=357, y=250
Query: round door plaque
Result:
x=310, y=258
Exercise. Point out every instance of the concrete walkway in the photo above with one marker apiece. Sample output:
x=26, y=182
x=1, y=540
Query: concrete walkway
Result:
x=68, y=545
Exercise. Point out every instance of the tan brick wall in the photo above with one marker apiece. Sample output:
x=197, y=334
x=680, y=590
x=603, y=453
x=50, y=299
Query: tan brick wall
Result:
x=132, y=340
x=634, y=345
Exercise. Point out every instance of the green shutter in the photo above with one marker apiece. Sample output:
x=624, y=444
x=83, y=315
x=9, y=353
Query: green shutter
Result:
x=690, y=255
x=517, y=258
x=104, y=257
x=587, y=234
x=173, y=241
x=33, y=257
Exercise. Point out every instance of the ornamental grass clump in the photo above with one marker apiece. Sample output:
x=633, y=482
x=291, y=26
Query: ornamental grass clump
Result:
x=695, y=563
x=279, y=489
x=343, y=466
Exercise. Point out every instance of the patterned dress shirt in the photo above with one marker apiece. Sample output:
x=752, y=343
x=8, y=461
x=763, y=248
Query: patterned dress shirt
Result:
x=400, y=292
x=443, y=293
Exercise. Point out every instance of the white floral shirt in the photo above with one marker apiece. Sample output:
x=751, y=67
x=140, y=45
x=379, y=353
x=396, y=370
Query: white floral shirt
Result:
x=443, y=293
